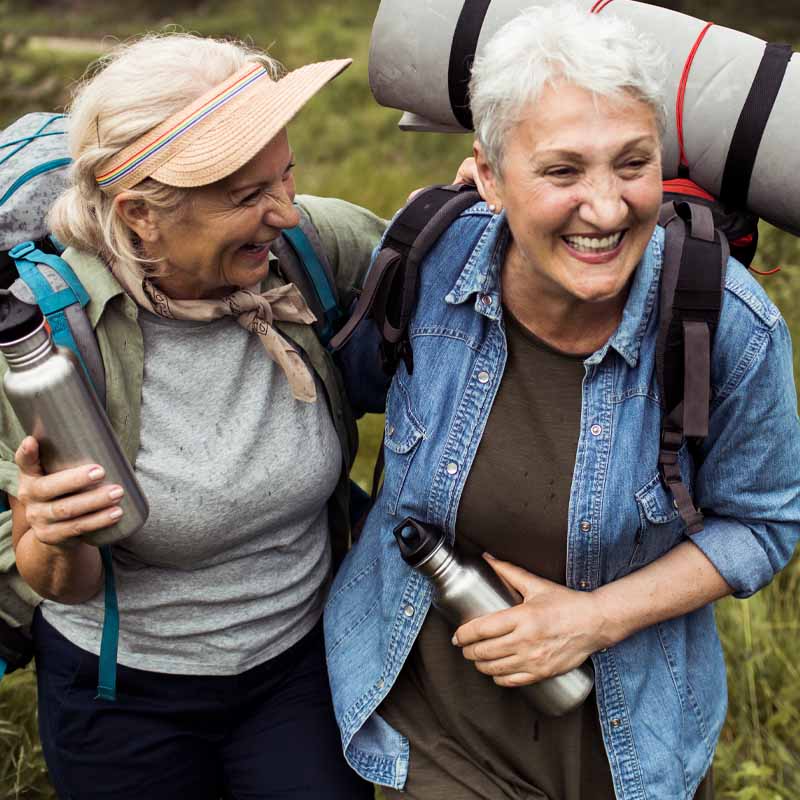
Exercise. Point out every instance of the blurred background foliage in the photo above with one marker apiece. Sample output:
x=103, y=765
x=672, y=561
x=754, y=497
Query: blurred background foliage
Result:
x=349, y=147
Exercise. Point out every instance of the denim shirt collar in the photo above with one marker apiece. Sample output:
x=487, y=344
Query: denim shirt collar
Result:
x=481, y=278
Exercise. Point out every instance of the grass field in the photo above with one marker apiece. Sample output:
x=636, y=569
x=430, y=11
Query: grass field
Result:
x=348, y=147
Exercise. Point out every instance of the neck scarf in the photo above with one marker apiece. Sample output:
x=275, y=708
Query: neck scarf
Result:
x=255, y=311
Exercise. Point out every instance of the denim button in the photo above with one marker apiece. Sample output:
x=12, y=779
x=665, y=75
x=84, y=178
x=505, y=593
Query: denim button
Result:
x=379, y=683
x=486, y=300
x=596, y=429
x=409, y=610
x=615, y=723
x=390, y=430
x=452, y=468
x=483, y=376
x=586, y=526
x=583, y=584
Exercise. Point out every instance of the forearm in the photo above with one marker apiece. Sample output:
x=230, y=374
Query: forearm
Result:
x=679, y=582
x=67, y=573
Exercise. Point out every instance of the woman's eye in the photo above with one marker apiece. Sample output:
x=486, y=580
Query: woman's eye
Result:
x=635, y=164
x=251, y=198
x=288, y=173
x=562, y=172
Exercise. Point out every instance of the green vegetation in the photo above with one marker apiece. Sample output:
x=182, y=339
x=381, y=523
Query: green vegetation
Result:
x=349, y=147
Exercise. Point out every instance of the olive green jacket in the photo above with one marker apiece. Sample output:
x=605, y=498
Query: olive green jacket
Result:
x=348, y=235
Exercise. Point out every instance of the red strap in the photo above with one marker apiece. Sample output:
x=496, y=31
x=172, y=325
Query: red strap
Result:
x=766, y=272
x=687, y=68
x=685, y=186
x=600, y=5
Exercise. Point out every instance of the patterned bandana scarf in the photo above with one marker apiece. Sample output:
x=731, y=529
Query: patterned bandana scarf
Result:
x=255, y=311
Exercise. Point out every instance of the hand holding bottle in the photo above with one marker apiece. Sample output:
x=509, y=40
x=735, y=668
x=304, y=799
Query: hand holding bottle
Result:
x=62, y=506
x=552, y=631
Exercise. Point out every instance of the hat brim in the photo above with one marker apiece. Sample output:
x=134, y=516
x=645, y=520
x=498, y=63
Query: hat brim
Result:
x=231, y=138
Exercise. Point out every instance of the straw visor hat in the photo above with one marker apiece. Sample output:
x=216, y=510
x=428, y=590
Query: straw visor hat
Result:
x=219, y=132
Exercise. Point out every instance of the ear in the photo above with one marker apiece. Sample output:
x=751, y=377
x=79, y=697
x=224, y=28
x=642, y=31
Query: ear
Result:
x=491, y=182
x=138, y=216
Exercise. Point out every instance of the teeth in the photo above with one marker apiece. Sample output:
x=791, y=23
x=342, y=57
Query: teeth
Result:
x=586, y=244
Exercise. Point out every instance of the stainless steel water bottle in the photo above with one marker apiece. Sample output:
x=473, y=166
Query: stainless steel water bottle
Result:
x=465, y=588
x=56, y=404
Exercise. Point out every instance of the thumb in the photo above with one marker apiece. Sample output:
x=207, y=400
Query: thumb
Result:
x=519, y=579
x=27, y=457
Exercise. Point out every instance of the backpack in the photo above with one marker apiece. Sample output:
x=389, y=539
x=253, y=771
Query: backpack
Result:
x=32, y=175
x=700, y=233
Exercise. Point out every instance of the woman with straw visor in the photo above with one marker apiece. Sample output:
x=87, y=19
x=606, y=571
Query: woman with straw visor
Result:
x=539, y=444
x=239, y=426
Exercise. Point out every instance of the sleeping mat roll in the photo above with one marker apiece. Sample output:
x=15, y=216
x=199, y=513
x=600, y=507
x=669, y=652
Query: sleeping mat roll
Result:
x=739, y=96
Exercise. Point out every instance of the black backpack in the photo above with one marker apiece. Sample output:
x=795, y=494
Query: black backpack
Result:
x=700, y=233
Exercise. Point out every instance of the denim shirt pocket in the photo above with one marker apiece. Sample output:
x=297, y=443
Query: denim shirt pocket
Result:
x=660, y=525
x=402, y=434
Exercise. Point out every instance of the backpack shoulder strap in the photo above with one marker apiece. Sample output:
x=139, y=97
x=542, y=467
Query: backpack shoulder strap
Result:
x=692, y=283
x=390, y=292
x=304, y=263
x=54, y=286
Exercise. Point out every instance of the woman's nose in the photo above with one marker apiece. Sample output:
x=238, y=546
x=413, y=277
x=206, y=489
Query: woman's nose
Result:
x=281, y=212
x=604, y=206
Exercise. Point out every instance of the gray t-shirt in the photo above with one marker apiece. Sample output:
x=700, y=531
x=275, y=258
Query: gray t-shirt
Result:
x=232, y=565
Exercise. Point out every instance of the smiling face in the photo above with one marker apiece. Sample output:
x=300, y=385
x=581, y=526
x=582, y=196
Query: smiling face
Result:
x=220, y=241
x=581, y=187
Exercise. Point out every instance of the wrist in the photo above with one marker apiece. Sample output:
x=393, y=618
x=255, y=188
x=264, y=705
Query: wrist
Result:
x=66, y=572
x=609, y=622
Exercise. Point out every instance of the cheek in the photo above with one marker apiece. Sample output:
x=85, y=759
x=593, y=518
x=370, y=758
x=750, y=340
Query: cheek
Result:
x=647, y=198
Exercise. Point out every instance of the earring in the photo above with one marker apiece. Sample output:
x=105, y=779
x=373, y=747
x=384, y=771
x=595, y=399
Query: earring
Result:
x=492, y=207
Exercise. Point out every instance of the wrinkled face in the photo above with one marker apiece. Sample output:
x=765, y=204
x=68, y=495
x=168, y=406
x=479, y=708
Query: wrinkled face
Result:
x=581, y=185
x=222, y=239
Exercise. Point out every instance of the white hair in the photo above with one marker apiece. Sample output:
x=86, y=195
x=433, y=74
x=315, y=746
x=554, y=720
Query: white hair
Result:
x=125, y=94
x=601, y=53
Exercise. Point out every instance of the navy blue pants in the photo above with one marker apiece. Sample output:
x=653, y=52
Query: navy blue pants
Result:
x=267, y=733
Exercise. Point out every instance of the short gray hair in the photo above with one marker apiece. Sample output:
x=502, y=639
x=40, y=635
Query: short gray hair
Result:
x=601, y=53
x=124, y=95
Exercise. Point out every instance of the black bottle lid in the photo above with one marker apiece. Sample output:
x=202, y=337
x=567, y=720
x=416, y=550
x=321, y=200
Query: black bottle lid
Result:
x=17, y=318
x=416, y=540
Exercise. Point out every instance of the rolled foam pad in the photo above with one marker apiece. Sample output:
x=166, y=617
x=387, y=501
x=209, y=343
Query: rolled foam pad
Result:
x=410, y=69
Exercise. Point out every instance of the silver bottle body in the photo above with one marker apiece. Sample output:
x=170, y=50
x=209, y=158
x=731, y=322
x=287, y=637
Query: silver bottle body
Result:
x=55, y=403
x=465, y=588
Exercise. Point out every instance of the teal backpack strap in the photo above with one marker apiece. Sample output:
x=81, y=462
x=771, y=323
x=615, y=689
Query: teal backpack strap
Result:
x=107, y=672
x=63, y=305
x=62, y=298
x=319, y=278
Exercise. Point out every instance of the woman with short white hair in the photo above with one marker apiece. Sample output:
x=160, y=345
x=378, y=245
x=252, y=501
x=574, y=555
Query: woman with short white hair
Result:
x=539, y=443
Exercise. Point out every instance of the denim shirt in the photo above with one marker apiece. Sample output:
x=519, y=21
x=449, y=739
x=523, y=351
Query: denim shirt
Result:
x=661, y=693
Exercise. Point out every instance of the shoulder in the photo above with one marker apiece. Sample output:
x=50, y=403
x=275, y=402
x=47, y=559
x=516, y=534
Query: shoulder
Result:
x=751, y=333
x=348, y=234
x=337, y=220
x=744, y=295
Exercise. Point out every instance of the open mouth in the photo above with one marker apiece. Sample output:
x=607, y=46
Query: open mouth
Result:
x=595, y=245
x=256, y=248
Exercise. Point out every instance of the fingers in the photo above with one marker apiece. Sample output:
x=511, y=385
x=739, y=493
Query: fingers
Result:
x=519, y=579
x=516, y=679
x=65, y=504
x=68, y=508
x=491, y=649
x=27, y=457
x=38, y=488
x=59, y=533
x=490, y=626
